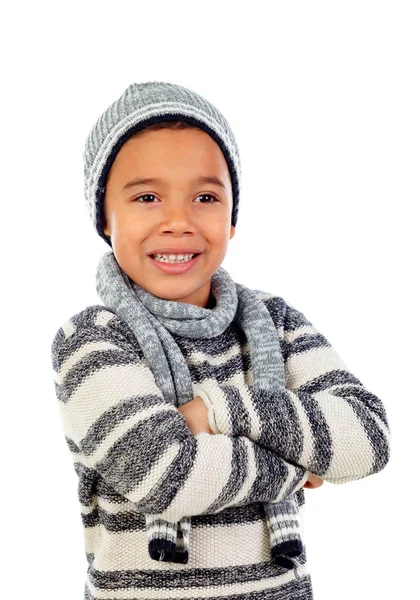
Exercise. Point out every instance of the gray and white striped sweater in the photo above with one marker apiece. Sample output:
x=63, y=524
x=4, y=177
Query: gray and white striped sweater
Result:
x=134, y=454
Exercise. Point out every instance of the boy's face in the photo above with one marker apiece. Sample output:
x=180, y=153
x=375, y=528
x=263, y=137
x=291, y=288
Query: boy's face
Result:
x=174, y=212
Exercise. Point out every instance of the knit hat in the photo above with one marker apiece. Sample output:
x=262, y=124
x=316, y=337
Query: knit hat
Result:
x=140, y=105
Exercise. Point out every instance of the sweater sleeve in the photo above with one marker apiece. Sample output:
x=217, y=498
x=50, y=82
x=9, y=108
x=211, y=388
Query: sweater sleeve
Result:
x=324, y=419
x=115, y=418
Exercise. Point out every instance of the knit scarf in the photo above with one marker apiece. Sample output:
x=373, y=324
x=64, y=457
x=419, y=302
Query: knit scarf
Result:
x=152, y=320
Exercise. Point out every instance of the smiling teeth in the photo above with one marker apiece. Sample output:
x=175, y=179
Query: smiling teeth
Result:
x=172, y=258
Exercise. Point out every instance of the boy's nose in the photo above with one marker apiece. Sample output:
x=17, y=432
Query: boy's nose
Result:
x=177, y=216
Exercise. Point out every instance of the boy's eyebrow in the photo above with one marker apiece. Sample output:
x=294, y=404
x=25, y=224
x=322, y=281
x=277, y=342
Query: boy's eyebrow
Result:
x=147, y=180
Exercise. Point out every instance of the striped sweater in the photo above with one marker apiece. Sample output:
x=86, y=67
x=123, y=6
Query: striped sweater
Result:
x=134, y=454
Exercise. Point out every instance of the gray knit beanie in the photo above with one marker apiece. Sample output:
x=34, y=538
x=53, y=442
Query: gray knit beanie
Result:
x=140, y=105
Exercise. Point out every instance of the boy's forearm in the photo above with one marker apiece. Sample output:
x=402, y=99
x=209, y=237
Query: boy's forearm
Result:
x=324, y=432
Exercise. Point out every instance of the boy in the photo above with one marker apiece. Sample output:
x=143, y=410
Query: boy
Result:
x=162, y=184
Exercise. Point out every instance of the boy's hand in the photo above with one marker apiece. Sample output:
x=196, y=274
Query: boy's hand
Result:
x=196, y=414
x=313, y=481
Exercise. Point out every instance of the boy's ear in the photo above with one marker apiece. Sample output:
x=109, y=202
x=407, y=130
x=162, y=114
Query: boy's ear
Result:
x=232, y=232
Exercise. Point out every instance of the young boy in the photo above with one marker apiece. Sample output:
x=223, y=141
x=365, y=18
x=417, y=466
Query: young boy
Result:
x=162, y=181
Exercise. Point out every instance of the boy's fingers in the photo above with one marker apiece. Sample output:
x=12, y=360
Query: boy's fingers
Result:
x=313, y=481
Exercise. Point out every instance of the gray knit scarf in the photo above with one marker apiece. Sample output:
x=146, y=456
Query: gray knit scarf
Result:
x=153, y=320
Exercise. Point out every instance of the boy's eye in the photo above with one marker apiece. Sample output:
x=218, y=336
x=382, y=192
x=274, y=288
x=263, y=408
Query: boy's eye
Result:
x=145, y=196
x=207, y=196
x=153, y=196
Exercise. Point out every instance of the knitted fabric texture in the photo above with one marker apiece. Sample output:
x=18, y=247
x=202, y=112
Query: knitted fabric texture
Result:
x=140, y=105
x=153, y=320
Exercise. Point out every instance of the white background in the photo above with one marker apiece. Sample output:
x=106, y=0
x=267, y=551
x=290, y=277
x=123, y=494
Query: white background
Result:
x=324, y=100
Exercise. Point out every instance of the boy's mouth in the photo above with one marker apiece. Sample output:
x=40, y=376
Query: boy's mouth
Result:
x=174, y=258
x=174, y=265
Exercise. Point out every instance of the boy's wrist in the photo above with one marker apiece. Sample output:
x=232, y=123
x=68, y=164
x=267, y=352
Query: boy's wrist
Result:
x=214, y=399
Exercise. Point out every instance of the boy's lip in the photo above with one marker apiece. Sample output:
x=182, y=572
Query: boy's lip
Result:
x=175, y=268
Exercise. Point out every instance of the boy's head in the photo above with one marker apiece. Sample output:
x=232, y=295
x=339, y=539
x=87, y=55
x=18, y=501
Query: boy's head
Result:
x=184, y=147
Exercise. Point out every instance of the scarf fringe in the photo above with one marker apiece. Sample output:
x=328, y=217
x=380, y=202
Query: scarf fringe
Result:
x=168, y=542
x=284, y=529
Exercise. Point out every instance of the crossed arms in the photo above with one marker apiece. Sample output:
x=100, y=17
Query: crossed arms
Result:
x=196, y=415
x=119, y=425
